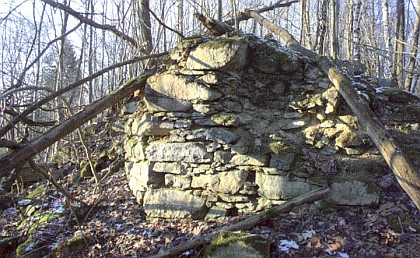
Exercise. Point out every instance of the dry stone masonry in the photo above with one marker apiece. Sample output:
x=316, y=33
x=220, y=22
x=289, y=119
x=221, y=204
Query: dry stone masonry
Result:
x=236, y=125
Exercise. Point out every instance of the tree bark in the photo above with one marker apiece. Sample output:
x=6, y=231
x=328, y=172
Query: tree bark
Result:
x=247, y=223
x=334, y=47
x=387, y=39
x=34, y=147
x=406, y=175
x=356, y=31
x=322, y=27
x=398, y=55
x=413, y=52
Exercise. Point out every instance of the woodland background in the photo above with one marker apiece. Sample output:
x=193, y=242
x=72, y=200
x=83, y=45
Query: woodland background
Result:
x=93, y=46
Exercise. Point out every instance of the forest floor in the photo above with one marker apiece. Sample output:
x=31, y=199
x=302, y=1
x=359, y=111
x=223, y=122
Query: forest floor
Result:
x=117, y=227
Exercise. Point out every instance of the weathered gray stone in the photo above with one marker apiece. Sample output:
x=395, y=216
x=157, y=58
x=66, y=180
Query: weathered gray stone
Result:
x=170, y=167
x=292, y=124
x=201, y=181
x=219, y=135
x=181, y=88
x=178, y=181
x=332, y=96
x=142, y=173
x=131, y=106
x=216, y=212
x=134, y=148
x=282, y=161
x=354, y=193
x=157, y=104
x=149, y=125
x=228, y=182
x=178, y=152
x=233, y=198
x=268, y=58
x=174, y=204
x=250, y=160
x=280, y=187
x=222, y=157
x=225, y=54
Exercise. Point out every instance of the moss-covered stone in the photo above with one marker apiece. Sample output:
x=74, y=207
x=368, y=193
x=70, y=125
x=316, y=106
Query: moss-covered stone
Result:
x=400, y=222
x=39, y=192
x=26, y=247
x=74, y=245
x=225, y=119
x=280, y=147
x=229, y=244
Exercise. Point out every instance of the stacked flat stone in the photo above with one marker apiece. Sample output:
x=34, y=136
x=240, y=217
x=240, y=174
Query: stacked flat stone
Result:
x=236, y=125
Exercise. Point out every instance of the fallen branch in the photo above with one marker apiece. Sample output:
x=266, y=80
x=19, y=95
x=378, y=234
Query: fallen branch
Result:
x=51, y=179
x=214, y=27
x=406, y=175
x=18, y=156
x=247, y=223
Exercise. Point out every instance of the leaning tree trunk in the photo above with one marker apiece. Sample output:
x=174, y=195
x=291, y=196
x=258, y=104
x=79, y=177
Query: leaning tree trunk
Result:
x=407, y=177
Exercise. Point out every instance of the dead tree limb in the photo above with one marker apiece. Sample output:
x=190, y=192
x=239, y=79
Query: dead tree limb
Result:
x=218, y=28
x=51, y=179
x=247, y=223
x=83, y=19
x=214, y=27
x=243, y=16
x=72, y=86
x=37, y=145
x=406, y=174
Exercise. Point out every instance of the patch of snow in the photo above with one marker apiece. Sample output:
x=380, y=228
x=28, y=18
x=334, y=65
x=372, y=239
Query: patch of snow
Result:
x=343, y=255
x=146, y=233
x=286, y=245
x=379, y=90
x=308, y=234
x=24, y=202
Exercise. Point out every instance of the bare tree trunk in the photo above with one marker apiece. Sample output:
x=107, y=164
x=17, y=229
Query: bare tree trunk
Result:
x=322, y=27
x=308, y=24
x=350, y=23
x=145, y=26
x=162, y=17
x=302, y=21
x=219, y=10
x=334, y=48
x=356, y=31
x=398, y=57
x=90, y=53
x=413, y=52
x=387, y=40
x=179, y=22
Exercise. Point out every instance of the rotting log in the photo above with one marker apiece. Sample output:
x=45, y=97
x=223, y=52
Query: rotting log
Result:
x=406, y=174
x=25, y=152
x=247, y=223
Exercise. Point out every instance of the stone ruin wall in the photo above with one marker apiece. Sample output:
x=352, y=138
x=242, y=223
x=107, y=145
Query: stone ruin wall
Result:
x=232, y=126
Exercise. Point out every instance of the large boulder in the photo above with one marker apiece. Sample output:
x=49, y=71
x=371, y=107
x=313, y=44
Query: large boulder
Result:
x=222, y=54
x=228, y=244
